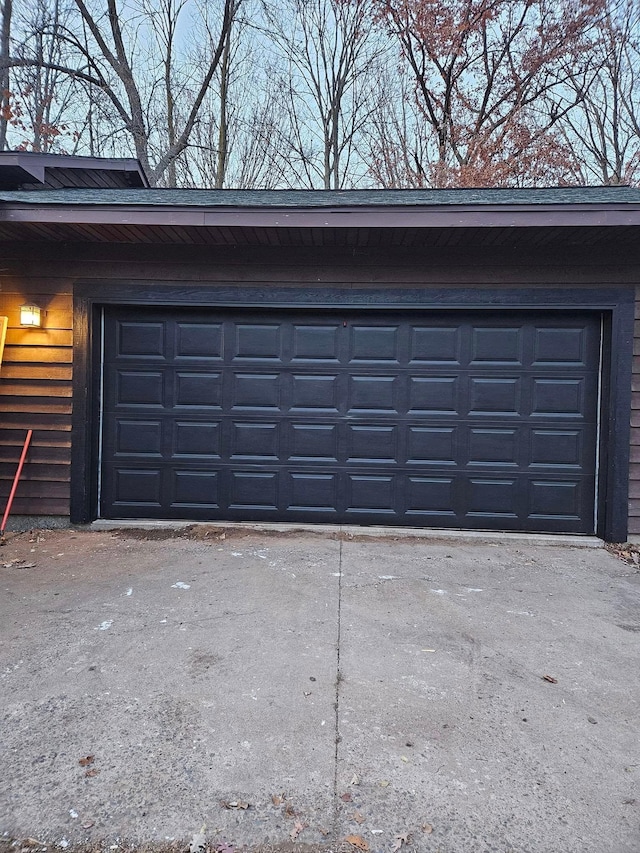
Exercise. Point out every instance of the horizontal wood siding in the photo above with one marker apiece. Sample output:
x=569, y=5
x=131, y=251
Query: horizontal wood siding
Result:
x=35, y=392
x=634, y=462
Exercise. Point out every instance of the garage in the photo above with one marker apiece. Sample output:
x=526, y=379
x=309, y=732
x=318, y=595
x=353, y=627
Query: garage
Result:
x=421, y=417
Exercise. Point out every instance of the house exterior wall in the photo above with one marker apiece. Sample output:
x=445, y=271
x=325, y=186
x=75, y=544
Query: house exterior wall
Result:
x=634, y=459
x=35, y=381
x=36, y=391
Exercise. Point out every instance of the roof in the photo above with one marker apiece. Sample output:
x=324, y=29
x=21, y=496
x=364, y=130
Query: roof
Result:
x=419, y=218
x=619, y=195
x=29, y=170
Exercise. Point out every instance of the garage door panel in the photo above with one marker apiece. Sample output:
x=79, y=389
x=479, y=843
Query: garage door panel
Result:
x=138, y=437
x=432, y=445
x=493, y=447
x=257, y=490
x=369, y=443
x=200, y=390
x=373, y=394
x=313, y=442
x=198, y=341
x=194, y=489
x=496, y=346
x=258, y=442
x=135, y=338
x=559, y=398
x=258, y=342
x=436, y=345
x=434, y=395
x=259, y=391
x=140, y=388
x=200, y=439
x=315, y=493
x=371, y=494
x=450, y=419
x=561, y=346
x=554, y=499
x=375, y=344
x=430, y=498
x=320, y=393
x=313, y=344
x=495, y=397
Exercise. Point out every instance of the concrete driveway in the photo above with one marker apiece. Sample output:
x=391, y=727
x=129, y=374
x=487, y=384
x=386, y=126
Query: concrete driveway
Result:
x=412, y=694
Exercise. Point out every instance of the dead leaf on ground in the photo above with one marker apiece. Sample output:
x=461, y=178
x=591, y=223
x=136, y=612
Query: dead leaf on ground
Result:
x=289, y=811
x=297, y=829
x=358, y=841
x=88, y=759
x=346, y=797
x=359, y=817
x=323, y=832
x=277, y=799
x=427, y=828
x=32, y=842
x=234, y=804
x=92, y=772
x=401, y=839
x=198, y=842
x=88, y=824
x=355, y=779
x=550, y=679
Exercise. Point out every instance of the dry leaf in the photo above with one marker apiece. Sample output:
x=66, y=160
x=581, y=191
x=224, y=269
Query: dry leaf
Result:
x=355, y=779
x=277, y=799
x=358, y=841
x=88, y=759
x=289, y=810
x=32, y=842
x=400, y=840
x=234, y=804
x=427, y=828
x=384, y=783
x=87, y=825
x=550, y=679
x=323, y=832
x=359, y=817
x=198, y=842
x=92, y=772
x=297, y=829
x=346, y=797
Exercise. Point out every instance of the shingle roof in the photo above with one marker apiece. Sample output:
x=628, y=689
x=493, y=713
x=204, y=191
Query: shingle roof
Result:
x=327, y=198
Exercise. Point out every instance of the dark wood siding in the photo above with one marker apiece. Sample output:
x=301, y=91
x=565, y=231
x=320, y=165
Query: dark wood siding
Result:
x=35, y=383
x=634, y=461
x=35, y=393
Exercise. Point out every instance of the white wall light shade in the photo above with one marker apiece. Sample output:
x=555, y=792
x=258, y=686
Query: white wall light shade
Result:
x=30, y=315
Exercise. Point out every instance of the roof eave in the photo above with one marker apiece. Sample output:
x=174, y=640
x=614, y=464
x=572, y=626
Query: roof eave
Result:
x=375, y=216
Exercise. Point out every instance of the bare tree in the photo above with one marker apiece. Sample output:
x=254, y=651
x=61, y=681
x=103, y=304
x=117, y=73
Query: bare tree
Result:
x=329, y=60
x=5, y=49
x=113, y=63
x=603, y=131
x=483, y=71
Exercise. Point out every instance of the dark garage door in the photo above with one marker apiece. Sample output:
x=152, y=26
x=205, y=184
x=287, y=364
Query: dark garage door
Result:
x=440, y=419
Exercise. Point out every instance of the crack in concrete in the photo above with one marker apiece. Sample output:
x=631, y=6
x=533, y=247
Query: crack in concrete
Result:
x=336, y=815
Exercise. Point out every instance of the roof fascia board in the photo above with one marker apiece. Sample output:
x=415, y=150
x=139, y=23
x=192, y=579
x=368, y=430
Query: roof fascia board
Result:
x=480, y=216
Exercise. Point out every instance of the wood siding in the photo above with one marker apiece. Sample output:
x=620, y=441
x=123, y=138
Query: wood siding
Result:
x=634, y=460
x=35, y=393
x=35, y=382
